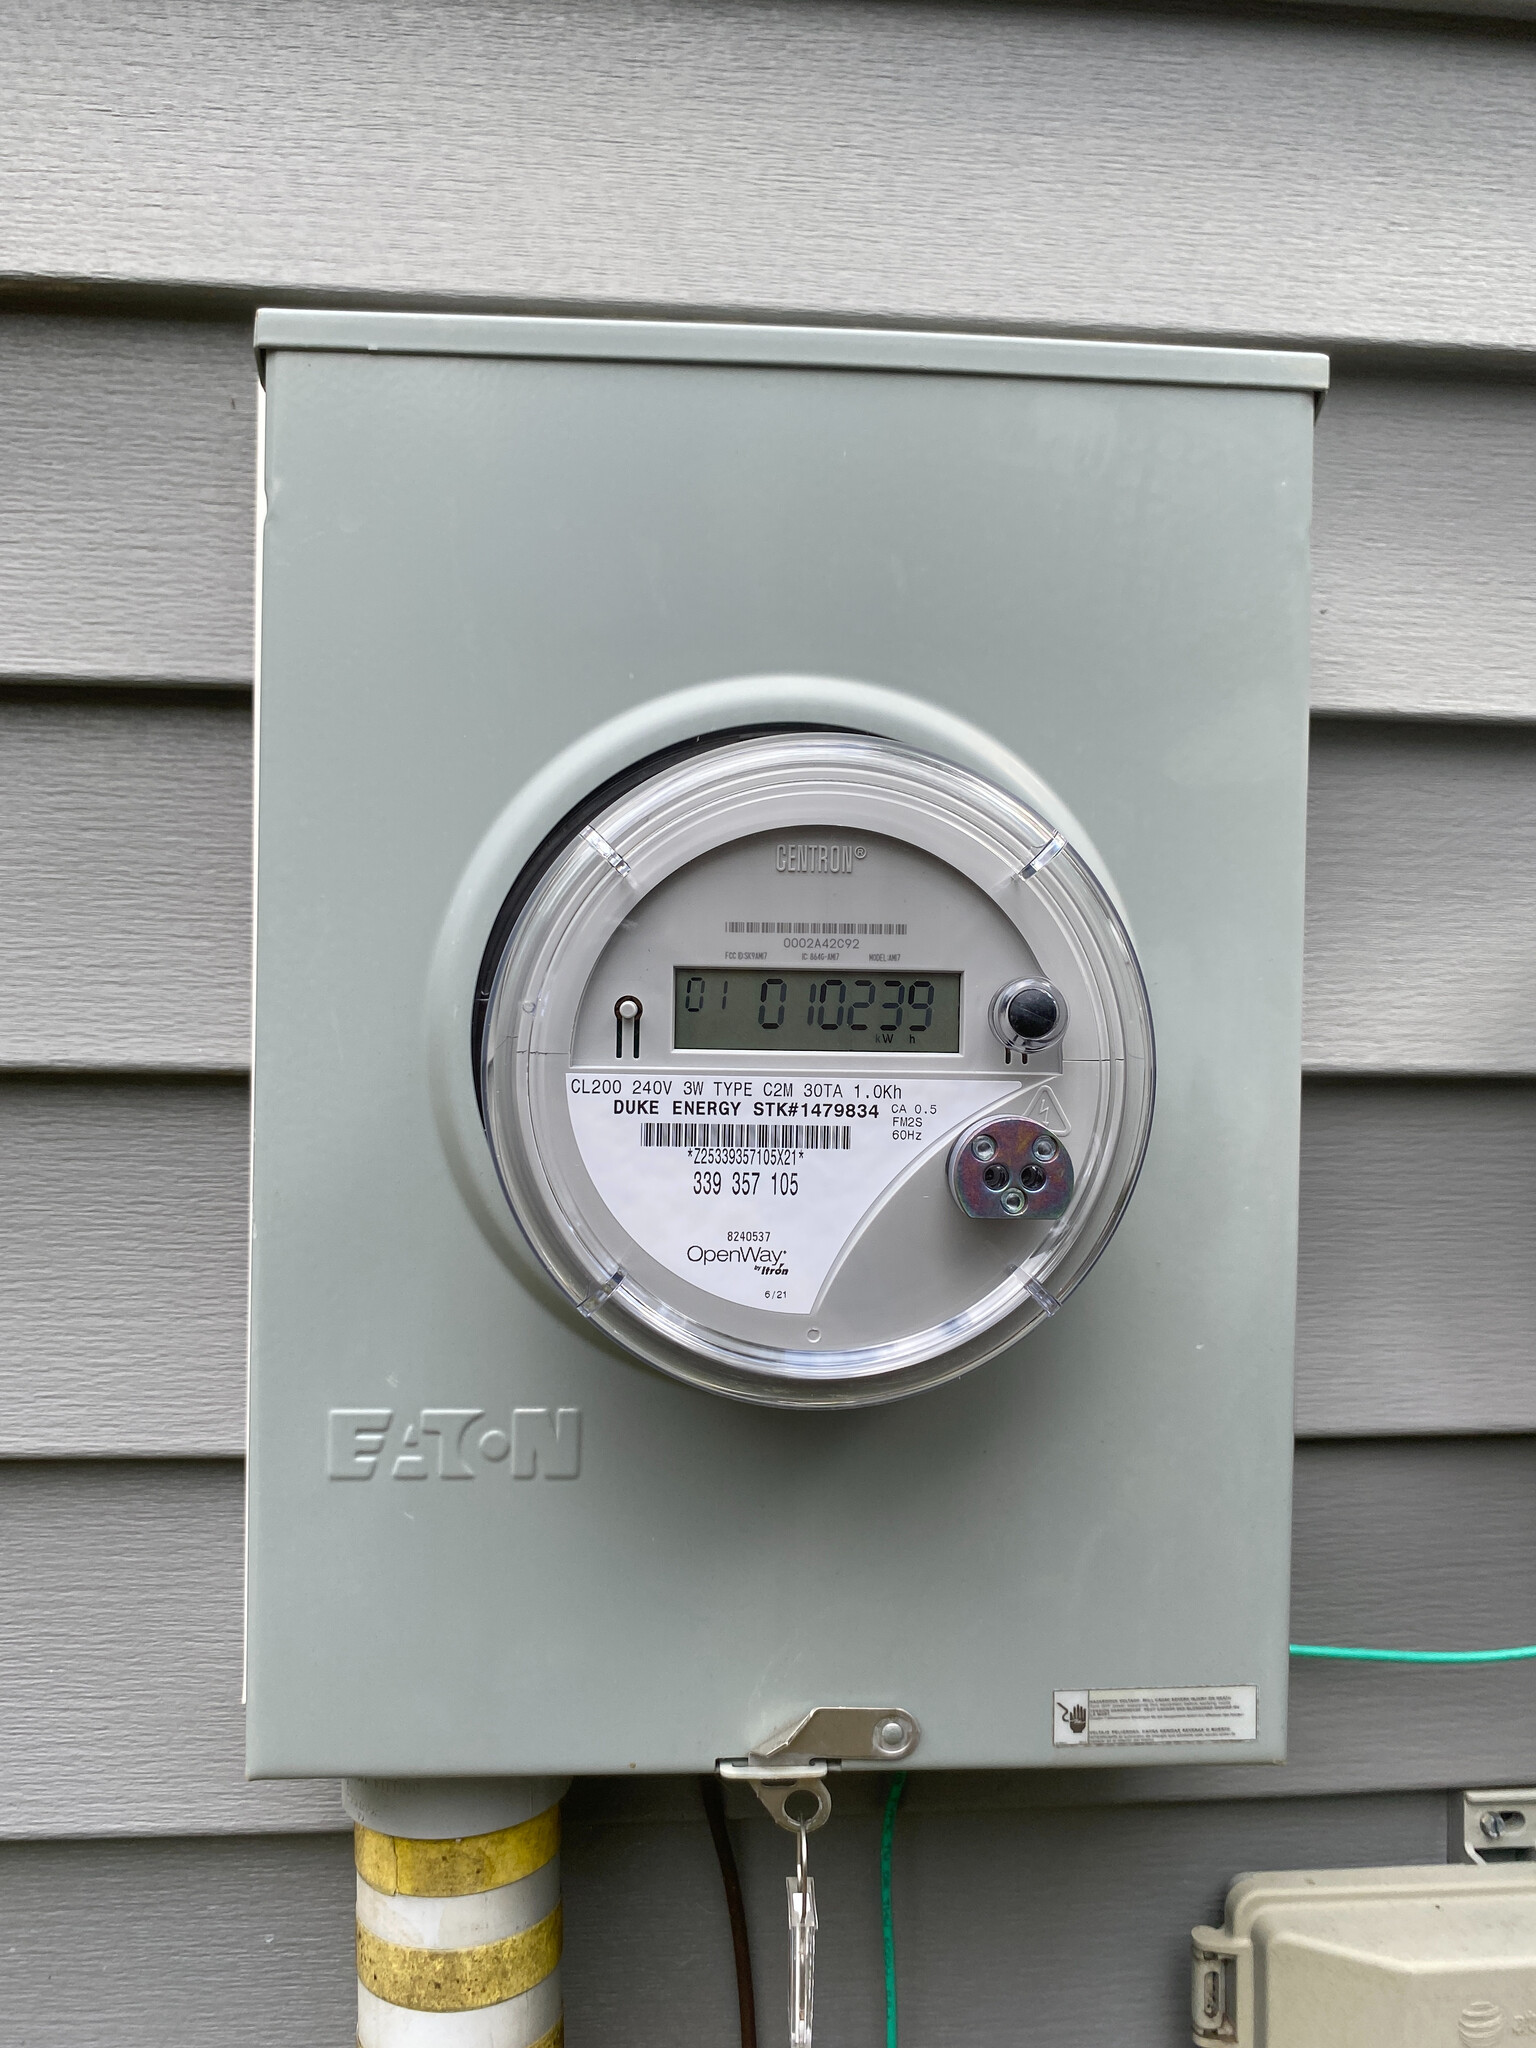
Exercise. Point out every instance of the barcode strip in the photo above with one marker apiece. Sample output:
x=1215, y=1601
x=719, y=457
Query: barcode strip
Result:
x=831, y=931
x=749, y=1137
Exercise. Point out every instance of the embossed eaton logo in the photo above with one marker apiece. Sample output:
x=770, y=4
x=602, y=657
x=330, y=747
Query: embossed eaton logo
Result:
x=449, y=1443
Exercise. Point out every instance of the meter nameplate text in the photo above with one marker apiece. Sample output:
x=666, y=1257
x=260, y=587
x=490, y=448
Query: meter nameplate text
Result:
x=753, y=1188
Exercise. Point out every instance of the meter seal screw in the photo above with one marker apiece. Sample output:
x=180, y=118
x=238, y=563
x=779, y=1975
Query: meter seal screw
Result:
x=1010, y=1168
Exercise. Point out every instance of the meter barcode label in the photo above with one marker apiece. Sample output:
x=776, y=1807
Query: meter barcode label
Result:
x=1137, y=1717
x=772, y=927
x=749, y=1137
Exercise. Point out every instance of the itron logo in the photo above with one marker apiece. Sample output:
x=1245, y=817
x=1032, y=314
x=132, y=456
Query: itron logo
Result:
x=1481, y=2024
x=447, y=1443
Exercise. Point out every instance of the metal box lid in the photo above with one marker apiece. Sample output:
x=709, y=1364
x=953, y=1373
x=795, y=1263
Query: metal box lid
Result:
x=763, y=343
x=504, y=560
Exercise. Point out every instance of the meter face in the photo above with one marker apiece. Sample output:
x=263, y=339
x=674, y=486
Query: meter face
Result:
x=815, y=1069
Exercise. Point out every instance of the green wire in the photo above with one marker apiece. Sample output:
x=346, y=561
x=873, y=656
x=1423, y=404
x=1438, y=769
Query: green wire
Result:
x=887, y=1921
x=1414, y=1656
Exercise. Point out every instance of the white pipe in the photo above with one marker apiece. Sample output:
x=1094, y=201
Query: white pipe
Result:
x=458, y=1912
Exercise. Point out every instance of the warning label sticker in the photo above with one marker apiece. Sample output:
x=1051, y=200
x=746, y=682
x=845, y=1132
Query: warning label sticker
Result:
x=1136, y=1717
x=752, y=1187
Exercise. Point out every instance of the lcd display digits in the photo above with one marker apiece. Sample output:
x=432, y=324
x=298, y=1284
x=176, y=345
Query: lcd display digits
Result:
x=794, y=1010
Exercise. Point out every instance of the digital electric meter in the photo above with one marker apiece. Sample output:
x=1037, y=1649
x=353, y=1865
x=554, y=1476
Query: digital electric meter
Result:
x=816, y=1069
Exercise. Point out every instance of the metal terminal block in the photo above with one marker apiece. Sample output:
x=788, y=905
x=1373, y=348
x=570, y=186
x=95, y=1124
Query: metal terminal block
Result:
x=1010, y=1169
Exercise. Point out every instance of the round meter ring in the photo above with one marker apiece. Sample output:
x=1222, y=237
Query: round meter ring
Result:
x=743, y=1012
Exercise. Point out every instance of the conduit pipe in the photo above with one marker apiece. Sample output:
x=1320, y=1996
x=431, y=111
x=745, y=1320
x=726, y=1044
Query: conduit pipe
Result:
x=458, y=1912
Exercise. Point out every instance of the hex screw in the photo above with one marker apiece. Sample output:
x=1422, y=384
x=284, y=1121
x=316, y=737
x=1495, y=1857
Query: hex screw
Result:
x=1013, y=1202
x=983, y=1145
x=1044, y=1148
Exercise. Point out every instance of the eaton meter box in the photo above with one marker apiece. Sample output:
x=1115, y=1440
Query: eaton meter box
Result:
x=777, y=1046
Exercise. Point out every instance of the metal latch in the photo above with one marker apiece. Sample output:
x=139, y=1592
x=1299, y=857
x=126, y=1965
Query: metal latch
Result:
x=1497, y=1827
x=797, y=1759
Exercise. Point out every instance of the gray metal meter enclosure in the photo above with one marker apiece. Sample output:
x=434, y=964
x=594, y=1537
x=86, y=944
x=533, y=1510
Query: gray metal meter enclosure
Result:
x=746, y=816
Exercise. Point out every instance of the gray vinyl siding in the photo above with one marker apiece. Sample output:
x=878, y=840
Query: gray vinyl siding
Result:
x=1361, y=183
x=1357, y=180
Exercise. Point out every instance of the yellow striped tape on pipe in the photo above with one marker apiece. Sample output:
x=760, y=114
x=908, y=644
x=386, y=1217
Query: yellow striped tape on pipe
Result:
x=459, y=1979
x=452, y=1869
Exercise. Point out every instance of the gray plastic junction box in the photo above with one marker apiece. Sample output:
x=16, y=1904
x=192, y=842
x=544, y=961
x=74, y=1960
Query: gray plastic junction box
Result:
x=1428, y=1957
x=503, y=559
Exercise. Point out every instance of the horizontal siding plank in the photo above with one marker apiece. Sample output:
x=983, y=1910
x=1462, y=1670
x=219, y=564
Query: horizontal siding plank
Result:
x=1416, y=1309
x=122, y=1267
x=120, y=1611
x=127, y=499
x=125, y=865
x=127, y=467
x=248, y=1944
x=120, y=1608
x=123, y=1264
x=1421, y=899
x=1423, y=535
x=200, y=1944
x=125, y=890
x=1044, y=165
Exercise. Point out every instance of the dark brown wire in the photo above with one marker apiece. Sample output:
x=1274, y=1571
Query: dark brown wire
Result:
x=730, y=1878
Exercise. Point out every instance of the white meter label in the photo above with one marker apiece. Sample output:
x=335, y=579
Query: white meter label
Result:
x=1137, y=1717
x=752, y=1188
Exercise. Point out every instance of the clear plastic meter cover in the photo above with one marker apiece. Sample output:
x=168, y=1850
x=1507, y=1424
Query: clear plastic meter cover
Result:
x=816, y=1070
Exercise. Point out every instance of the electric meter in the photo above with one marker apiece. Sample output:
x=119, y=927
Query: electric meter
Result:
x=816, y=1069
x=707, y=778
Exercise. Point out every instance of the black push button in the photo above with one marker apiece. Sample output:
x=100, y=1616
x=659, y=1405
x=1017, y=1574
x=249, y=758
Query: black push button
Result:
x=1032, y=1013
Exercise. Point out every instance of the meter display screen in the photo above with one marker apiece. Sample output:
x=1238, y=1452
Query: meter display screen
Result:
x=798, y=1010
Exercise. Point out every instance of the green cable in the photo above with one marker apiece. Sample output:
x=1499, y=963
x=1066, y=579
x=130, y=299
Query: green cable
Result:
x=1414, y=1656
x=887, y=1921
